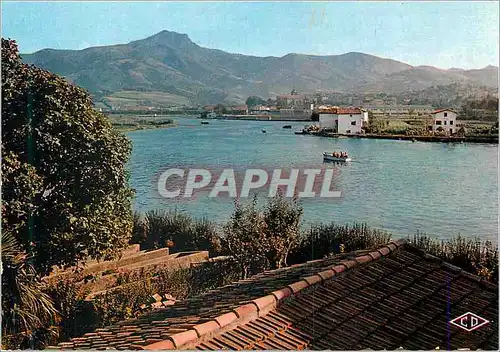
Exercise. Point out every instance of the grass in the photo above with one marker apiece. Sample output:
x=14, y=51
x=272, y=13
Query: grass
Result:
x=135, y=98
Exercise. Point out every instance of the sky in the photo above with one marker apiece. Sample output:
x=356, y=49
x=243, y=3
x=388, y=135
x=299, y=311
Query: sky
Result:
x=442, y=34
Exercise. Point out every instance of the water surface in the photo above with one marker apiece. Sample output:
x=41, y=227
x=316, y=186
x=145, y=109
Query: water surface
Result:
x=437, y=188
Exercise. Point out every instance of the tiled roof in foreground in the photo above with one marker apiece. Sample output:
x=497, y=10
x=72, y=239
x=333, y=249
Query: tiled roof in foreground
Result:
x=393, y=297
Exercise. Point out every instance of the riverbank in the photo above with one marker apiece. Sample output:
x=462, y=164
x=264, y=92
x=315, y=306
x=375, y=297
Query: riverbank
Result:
x=138, y=127
x=441, y=139
x=263, y=117
x=131, y=123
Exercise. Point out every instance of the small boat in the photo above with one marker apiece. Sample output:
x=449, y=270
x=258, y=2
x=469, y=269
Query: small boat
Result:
x=330, y=157
x=204, y=122
x=301, y=132
x=263, y=131
x=287, y=126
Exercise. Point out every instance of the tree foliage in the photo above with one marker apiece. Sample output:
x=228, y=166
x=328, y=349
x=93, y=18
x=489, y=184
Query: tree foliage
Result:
x=261, y=240
x=282, y=220
x=245, y=238
x=64, y=183
x=255, y=101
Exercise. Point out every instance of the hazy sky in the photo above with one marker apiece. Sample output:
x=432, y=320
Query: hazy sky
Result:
x=442, y=34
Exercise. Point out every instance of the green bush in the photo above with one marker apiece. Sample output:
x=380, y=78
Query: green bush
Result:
x=324, y=240
x=160, y=229
x=472, y=255
x=76, y=314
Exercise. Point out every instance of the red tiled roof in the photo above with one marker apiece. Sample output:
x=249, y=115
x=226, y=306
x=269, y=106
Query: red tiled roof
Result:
x=395, y=296
x=441, y=110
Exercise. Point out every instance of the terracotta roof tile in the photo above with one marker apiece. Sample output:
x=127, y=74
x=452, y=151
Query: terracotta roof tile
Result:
x=368, y=301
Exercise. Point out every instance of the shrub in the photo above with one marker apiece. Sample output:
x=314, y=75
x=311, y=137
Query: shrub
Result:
x=282, y=220
x=324, y=240
x=76, y=315
x=160, y=229
x=28, y=313
x=472, y=255
x=245, y=238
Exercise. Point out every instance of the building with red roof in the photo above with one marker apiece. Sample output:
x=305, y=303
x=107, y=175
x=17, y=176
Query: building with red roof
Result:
x=444, y=121
x=346, y=120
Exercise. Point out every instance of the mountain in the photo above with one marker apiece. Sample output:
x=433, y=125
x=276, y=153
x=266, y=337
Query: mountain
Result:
x=168, y=68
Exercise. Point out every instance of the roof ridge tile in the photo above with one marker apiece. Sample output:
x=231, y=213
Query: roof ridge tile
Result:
x=261, y=306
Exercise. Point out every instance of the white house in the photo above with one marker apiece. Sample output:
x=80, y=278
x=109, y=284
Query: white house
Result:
x=343, y=120
x=444, y=120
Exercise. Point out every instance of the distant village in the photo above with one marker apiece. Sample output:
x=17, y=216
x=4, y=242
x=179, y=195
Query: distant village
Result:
x=342, y=113
x=330, y=118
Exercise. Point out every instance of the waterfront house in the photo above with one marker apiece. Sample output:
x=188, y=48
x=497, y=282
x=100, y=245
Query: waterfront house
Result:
x=343, y=120
x=444, y=120
x=386, y=298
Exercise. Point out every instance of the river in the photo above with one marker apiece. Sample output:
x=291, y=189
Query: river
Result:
x=403, y=187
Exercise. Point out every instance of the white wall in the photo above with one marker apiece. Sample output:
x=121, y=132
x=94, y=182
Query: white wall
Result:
x=345, y=123
x=448, y=122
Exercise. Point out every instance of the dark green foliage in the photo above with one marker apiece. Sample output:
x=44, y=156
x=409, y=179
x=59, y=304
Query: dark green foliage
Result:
x=76, y=315
x=159, y=229
x=28, y=314
x=64, y=184
x=255, y=101
x=261, y=240
x=472, y=255
x=324, y=240
x=245, y=238
x=485, y=109
x=282, y=220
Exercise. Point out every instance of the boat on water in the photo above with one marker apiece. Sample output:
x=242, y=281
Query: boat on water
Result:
x=336, y=156
x=287, y=126
x=263, y=131
x=204, y=122
x=301, y=132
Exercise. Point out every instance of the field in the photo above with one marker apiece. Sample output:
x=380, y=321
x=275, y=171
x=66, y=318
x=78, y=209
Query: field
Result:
x=127, y=98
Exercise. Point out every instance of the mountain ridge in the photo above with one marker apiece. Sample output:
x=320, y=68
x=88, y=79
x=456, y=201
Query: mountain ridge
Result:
x=172, y=63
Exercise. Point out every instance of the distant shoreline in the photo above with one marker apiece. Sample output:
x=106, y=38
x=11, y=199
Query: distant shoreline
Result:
x=126, y=128
x=441, y=139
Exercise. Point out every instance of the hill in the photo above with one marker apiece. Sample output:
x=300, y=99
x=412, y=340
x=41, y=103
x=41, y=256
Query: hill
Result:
x=169, y=62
